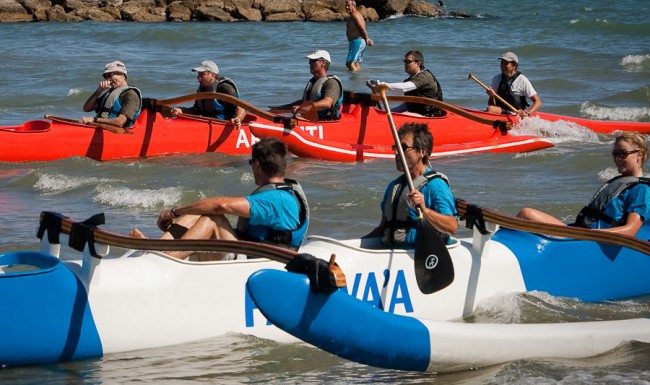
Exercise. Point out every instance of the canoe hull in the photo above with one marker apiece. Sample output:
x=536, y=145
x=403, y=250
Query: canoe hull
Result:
x=342, y=325
x=302, y=144
x=140, y=300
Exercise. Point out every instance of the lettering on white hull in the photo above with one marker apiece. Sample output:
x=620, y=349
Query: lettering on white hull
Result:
x=366, y=288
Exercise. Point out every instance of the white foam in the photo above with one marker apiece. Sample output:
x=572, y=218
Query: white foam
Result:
x=635, y=61
x=74, y=91
x=557, y=132
x=593, y=111
x=143, y=198
x=57, y=183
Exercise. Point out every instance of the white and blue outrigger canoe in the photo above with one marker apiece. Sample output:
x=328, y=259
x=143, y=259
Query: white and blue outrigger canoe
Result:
x=342, y=325
x=65, y=305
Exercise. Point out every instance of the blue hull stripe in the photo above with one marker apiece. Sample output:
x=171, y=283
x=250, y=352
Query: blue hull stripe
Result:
x=340, y=324
x=50, y=318
x=582, y=269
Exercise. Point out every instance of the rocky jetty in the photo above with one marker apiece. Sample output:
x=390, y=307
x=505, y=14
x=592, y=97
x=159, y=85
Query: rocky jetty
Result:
x=207, y=10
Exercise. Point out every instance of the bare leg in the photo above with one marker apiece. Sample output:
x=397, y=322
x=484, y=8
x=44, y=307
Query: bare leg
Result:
x=135, y=233
x=538, y=216
x=203, y=227
x=494, y=110
x=353, y=66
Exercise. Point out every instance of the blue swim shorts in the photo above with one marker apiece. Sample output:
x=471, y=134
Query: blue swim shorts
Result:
x=355, y=50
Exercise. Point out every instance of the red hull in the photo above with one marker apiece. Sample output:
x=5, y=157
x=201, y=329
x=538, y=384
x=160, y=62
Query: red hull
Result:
x=599, y=126
x=362, y=129
x=304, y=145
x=42, y=140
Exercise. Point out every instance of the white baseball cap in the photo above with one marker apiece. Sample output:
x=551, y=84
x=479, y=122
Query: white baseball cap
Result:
x=320, y=54
x=207, y=65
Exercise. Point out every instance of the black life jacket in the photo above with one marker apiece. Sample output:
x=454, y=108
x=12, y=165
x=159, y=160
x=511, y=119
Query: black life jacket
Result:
x=505, y=91
x=396, y=208
x=216, y=108
x=429, y=92
x=594, y=210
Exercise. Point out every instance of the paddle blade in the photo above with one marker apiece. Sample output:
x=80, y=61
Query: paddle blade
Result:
x=434, y=269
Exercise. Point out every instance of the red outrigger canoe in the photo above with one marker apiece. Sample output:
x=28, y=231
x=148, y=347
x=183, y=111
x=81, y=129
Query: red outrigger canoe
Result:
x=362, y=131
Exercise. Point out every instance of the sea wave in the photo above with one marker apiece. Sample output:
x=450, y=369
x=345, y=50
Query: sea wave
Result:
x=593, y=111
x=635, y=63
x=140, y=198
x=55, y=183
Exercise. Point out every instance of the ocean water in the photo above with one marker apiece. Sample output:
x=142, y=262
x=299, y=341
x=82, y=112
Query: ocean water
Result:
x=585, y=58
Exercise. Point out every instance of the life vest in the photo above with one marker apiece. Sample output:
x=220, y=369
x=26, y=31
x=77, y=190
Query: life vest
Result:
x=313, y=93
x=595, y=209
x=285, y=238
x=109, y=105
x=428, y=92
x=396, y=208
x=505, y=91
x=213, y=107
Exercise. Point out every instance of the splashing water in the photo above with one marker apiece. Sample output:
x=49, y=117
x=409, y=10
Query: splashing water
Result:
x=558, y=132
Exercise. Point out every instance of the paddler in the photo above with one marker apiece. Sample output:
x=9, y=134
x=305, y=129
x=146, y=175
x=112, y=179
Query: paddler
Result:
x=276, y=212
x=207, y=74
x=622, y=204
x=432, y=194
x=114, y=101
x=323, y=92
x=513, y=87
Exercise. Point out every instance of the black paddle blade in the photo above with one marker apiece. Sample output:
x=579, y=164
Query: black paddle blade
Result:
x=434, y=269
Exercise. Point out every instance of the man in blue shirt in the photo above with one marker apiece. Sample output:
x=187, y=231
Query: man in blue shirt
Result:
x=276, y=212
x=432, y=194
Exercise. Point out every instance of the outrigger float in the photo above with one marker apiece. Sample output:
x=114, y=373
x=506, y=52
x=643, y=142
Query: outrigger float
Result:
x=64, y=305
x=347, y=327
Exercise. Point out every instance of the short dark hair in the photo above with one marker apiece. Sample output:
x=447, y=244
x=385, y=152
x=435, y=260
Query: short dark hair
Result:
x=417, y=55
x=422, y=137
x=271, y=153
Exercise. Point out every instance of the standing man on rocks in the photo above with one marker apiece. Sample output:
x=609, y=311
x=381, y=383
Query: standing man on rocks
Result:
x=357, y=36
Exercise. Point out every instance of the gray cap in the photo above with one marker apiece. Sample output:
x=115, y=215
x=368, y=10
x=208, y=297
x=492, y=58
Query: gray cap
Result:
x=116, y=66
x=207, y=65
x=509, y=56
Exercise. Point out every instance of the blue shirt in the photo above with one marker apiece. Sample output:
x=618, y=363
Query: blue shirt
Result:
x=633, y=200
x=437, y=197
x=275, y=209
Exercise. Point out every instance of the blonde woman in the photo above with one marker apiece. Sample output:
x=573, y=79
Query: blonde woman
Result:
x=622, y=204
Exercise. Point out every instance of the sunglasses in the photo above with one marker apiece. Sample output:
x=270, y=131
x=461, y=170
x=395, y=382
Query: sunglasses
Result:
x=108, y=76
x=623, y=154
x=407, y=61
x=404, y=147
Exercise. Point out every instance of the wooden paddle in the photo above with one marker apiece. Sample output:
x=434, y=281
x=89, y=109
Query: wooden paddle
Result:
x=500, y=124
x=107, y=127
x=502, y=100
x=434, y=269
x=54, y=222
x=288, y=122
x=550, y=229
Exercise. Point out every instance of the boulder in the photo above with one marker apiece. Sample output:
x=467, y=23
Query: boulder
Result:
x=12, y=11
x=212, y=13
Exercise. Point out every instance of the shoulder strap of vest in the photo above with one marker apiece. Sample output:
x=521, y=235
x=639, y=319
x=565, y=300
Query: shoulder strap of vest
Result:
x=594, y=210
x=226, y=80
